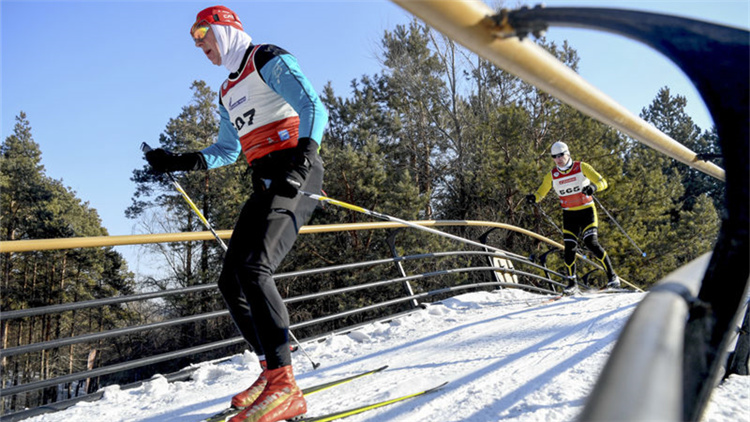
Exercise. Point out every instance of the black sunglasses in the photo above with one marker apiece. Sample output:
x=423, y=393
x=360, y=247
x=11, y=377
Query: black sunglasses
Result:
x=557, y=155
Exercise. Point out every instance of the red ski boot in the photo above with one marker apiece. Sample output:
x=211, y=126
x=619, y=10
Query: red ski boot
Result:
x=247, y=397
x=279, y=401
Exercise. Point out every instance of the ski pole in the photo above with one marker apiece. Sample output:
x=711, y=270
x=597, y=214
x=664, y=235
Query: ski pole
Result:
x=342, y=204
x=146, y=148
x=548, y=218
x=618, y=226
x=315, y=365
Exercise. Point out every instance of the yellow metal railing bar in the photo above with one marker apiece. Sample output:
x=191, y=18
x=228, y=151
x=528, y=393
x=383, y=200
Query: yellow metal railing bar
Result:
x=138, y=239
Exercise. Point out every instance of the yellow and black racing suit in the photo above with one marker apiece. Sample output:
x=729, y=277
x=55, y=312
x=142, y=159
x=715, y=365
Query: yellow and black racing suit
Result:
x=579, y=212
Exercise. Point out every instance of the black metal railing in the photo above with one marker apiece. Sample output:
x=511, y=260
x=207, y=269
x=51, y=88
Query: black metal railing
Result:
x=535, y=277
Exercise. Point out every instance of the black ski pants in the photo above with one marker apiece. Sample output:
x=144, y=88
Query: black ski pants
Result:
x=265, y=232
x=583, y=221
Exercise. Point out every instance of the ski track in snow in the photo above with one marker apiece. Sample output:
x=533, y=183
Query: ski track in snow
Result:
x=509, y=356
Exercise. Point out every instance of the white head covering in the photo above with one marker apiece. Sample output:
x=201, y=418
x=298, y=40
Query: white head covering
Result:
x=232, y=45
x=560, y=147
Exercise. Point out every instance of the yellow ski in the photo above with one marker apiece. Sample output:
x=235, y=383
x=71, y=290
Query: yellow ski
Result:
x=357, y=410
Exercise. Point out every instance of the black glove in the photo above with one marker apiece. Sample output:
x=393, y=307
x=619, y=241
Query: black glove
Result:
x=299, y=166
x=589, y=190
x=163, y=161
x=531, y=199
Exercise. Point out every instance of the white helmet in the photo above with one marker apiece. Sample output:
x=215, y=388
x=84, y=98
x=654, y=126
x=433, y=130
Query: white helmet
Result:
x=559, y=148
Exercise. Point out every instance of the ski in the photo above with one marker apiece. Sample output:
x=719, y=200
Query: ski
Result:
x=553, y=299
x=223, y=415
x=611, y=290
x=546, y=300
x=357, y=410
x=231, y=411
x=334, y=383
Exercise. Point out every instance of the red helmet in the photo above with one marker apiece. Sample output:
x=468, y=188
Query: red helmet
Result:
x=217, y=15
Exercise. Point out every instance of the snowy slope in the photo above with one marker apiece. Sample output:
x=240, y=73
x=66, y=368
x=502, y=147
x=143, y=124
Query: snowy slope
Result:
x=509, y=355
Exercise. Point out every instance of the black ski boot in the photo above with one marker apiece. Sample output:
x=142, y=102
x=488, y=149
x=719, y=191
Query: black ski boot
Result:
x=572, y=287
x=614, y=282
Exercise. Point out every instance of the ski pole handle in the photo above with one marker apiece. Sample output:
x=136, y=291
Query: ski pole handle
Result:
x=146, y=148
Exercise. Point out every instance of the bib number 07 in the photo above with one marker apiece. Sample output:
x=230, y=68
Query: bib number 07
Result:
x=246, y=119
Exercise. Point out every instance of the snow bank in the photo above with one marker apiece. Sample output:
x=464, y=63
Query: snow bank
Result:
x=509, y=356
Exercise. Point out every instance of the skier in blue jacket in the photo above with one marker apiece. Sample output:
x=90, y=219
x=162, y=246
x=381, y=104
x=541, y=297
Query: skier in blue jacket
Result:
x=271, y=114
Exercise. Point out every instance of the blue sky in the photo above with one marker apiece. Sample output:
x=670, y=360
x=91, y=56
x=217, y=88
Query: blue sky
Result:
x=97, y=78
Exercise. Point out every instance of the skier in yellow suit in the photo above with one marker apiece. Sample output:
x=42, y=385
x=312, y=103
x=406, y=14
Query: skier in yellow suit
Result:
x=574, y=182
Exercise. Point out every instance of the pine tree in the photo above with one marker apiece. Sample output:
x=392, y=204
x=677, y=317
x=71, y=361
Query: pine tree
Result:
x=21, y=182
x=699, y=183
x=416, y=94
x=33, y=206
x=694, y=200
x=667, y=113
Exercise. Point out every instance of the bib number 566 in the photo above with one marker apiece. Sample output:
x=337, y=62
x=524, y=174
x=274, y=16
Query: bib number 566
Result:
x=568, y=191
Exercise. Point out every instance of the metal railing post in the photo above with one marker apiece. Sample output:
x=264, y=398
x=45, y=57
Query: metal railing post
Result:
x=391, y=240
x=483, y=239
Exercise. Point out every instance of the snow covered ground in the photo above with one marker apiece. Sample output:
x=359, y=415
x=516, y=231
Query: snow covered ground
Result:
x=509, y=356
